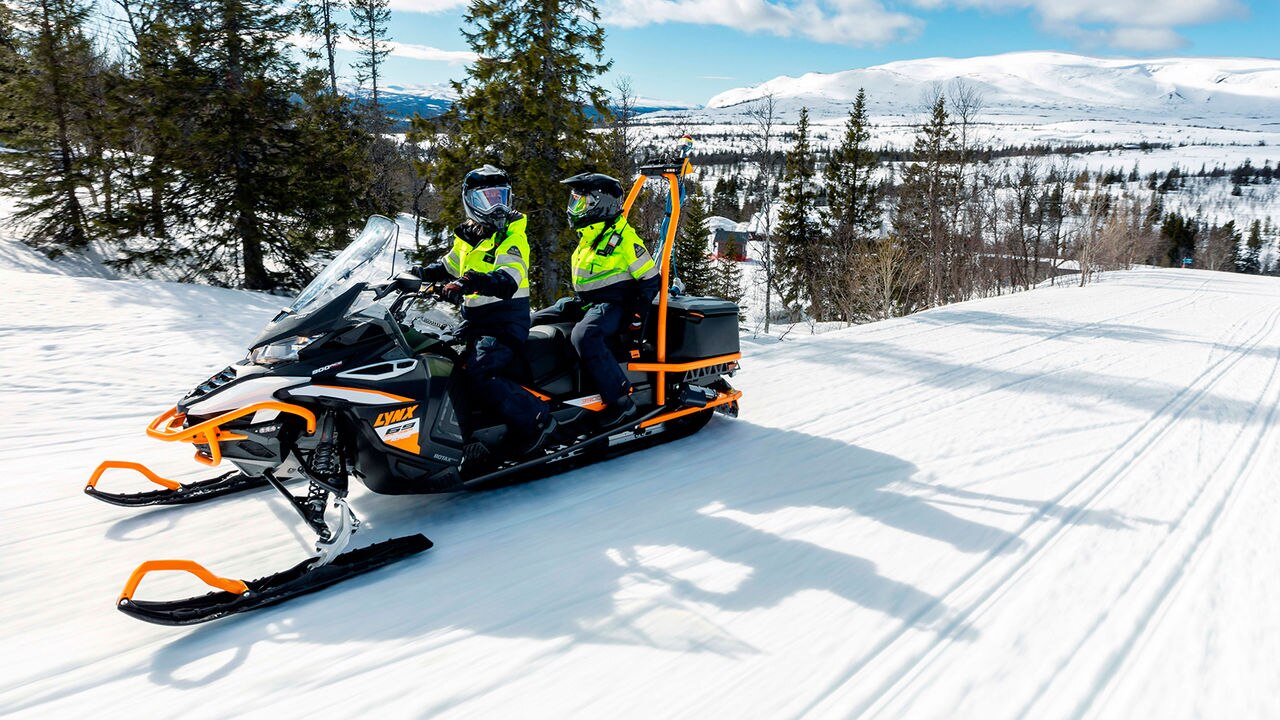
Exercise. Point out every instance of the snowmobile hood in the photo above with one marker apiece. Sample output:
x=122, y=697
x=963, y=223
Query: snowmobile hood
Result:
x=325, y=318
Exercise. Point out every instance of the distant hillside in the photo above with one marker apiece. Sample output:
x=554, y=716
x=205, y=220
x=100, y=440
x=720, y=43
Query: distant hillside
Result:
x=1045, y=86
x=402, y=101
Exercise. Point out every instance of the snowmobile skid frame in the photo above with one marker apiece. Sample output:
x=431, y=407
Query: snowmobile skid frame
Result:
x=383, y=413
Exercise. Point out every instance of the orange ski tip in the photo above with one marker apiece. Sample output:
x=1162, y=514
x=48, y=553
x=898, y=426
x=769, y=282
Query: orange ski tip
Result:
x=190, y=566
x=136, y=467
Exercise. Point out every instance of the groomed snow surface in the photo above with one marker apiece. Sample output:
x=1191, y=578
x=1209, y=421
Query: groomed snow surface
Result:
x=1060, y=503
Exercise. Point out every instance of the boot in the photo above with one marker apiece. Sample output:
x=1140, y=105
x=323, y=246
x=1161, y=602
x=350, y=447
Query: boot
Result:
x=619, y=412
x=536, y=439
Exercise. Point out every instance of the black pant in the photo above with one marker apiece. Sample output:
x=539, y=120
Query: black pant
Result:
x=486, y=369
x=596, y=322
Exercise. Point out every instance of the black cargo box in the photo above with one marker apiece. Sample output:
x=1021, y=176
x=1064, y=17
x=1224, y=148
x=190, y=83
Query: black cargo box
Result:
x=698, y=328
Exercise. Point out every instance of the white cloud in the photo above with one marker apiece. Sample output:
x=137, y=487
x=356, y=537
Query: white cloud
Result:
x=847, y=22
x=425, y=52
x=399, y=49
x=1141, y=25
x=1144, y=39
x=426, y=6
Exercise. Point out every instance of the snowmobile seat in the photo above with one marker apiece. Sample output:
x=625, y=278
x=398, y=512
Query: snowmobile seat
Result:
x=551, y=359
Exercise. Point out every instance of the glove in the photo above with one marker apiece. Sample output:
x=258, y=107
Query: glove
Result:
x=473, y=232
x=431, y=273
x=473, y=281
x=453, y=292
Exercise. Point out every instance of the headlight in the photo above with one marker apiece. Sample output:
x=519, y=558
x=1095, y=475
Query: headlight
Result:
x=283, y=351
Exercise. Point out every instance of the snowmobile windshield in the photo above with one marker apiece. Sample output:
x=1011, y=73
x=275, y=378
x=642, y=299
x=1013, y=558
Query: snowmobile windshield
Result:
x=370, y=258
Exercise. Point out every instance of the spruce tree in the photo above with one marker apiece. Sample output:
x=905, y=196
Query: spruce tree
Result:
x=369, y=32
x=49, y=98
x=724, y=202
x=726, y=276
x=692, y=262
x=527, y=106
x=802, y=252
x=11, y=66
x=1251, y=258
x=853, y=196
x=320, y=18
x=929, y=190
x=147, y=119
x=853, y=211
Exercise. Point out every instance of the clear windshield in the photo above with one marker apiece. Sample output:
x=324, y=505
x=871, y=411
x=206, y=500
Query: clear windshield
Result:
x=370, y=258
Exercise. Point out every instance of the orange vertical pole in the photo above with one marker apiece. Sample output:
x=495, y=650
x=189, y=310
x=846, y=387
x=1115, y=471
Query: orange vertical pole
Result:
x=633, y=194
x=673, y=184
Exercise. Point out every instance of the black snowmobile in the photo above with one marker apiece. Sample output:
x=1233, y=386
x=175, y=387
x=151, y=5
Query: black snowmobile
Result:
x=355, y=378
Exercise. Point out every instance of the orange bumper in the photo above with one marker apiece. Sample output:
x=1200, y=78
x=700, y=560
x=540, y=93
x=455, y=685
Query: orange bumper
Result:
x=169, y=427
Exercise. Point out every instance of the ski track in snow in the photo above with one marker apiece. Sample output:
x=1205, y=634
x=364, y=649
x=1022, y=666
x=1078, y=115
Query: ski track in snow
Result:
x=1058, y=503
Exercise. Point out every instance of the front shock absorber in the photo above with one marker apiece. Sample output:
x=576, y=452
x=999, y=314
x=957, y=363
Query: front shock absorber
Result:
x=327, y=474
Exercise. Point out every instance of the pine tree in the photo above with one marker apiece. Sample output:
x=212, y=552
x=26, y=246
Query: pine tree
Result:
x=724, y=201
x=929, y=190
x=369, y=32
x=802, y=255
x=11, y=65
x=146, y=118
x=527, y=106
x=1251, y=257
x=726, y=278
x=853, y=196
x=320, y=18
x=692, y=262
x=852, y=218
x=48, y=97
x=1180, y=235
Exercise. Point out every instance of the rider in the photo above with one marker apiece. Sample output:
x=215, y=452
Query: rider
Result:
x=614, y=278
x=489, y=268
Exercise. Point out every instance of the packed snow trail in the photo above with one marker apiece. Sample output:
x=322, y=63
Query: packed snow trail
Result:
x=1059, y=503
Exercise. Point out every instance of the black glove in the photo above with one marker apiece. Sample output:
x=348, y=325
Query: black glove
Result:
x=474, y=281
x=473, y=232
x=434, y=272
x=453, y=292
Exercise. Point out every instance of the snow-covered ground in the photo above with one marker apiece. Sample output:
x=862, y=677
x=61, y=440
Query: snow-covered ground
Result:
x=1053, y=504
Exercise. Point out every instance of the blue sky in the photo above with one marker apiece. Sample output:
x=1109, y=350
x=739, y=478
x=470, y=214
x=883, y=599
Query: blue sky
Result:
x=724, y=44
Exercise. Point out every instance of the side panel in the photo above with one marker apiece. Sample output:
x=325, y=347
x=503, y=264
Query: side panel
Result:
x=408, y=447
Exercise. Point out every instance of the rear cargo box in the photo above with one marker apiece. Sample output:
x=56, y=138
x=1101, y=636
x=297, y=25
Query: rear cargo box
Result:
x=700, y=328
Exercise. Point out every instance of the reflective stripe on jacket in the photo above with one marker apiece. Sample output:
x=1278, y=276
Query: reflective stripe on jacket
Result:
x=509, y=254
x=596, y=266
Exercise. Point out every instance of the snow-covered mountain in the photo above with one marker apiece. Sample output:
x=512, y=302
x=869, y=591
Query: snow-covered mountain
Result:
x=1045, y=84
x=431, y=99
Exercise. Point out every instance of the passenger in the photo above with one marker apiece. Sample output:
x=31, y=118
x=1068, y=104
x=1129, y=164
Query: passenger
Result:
x=614, y=279
x=489, y=268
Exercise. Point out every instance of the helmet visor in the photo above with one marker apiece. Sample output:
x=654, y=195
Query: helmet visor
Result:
x=580, y=203
x=486, y=200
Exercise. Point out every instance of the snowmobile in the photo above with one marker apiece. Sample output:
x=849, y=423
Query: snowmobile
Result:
x=355, y=378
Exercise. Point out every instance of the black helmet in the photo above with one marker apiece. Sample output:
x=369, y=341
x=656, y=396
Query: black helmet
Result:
x=593, y=198
x=486, y=195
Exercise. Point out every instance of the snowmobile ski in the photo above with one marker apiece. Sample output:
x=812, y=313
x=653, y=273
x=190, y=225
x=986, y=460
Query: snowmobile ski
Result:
x=174, y=493
x=237, y=596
